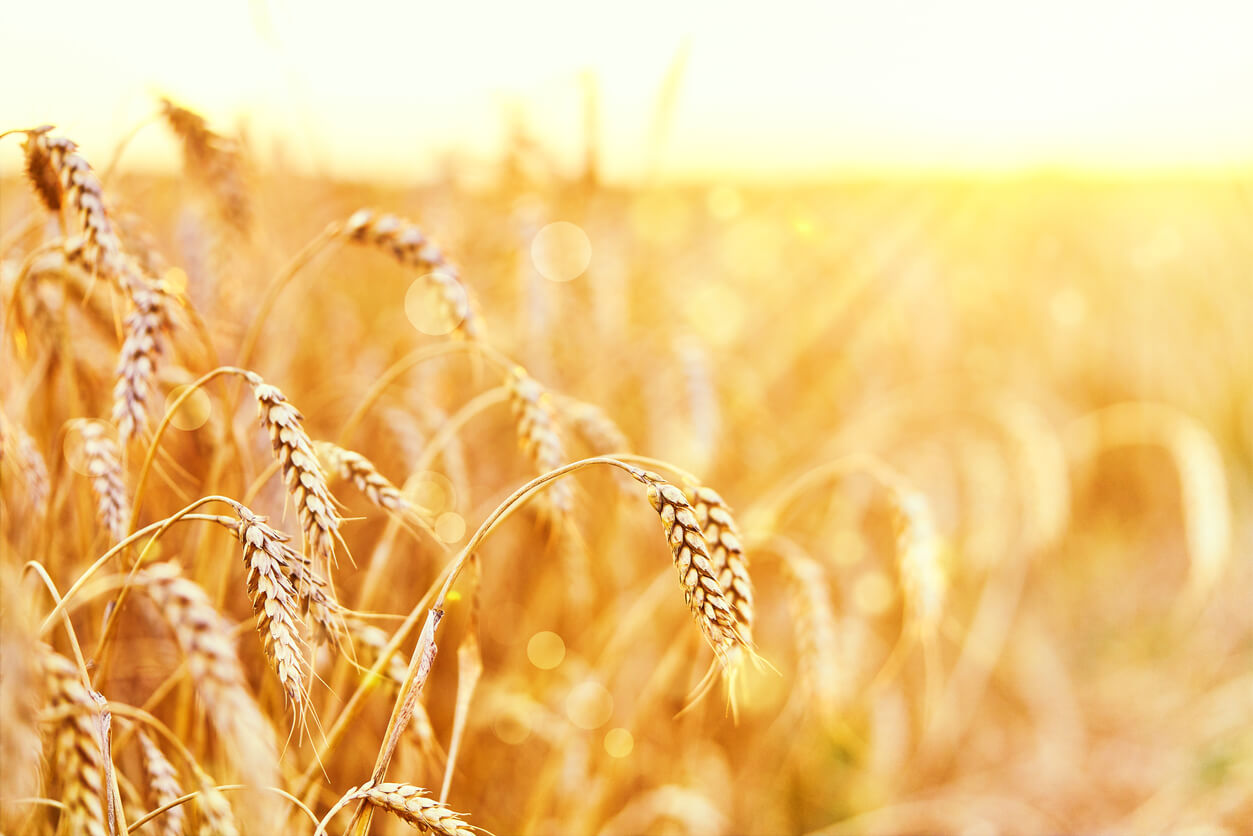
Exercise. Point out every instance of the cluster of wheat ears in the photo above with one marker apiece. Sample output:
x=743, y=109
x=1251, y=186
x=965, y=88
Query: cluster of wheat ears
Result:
x=382, y=670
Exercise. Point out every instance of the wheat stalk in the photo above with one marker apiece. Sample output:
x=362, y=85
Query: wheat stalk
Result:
x=373, y=641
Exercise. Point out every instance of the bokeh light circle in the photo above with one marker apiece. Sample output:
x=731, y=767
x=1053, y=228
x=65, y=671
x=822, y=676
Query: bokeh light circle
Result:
x=619, y=742
x=546, y=650
x=193, y=412
x=561, y=251
x=436, y=304
x=589, y=705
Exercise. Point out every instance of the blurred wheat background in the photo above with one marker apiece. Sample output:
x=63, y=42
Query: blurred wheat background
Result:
x=939, y=378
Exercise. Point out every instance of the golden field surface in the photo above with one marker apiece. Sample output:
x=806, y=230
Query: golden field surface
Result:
x=984, y=564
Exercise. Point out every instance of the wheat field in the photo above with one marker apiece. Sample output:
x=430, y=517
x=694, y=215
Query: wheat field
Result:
x=530, y=504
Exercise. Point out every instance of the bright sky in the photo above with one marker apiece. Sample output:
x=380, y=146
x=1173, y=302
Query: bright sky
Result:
x=789, y=87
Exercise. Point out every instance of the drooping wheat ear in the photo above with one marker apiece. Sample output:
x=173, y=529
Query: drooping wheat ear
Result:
x=312, y=593
x=137, y=362
x=103, y=463
x=411, y=804
x=922, y=577
x=821, y=666
x=98, y=248
x=79, y=759
x=305, y=481
x=163, y=786
x=359, y=470
x=710, y=606
x=204, y=637
x=536, y=423
x=272, y=566
x=99, y=251
x=15, y=441
x=216, y=816
x=21, y=672
x=599, y=432
x=405, y=242
x=215, y=161
x=726, y=552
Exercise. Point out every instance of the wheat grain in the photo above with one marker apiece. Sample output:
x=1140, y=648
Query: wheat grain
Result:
x=411, y=804
x=98, y=247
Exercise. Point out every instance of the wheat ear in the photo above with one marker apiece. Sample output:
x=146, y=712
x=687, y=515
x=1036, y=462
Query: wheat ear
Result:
x=204, y=637
x=411, y=804
x=163, y=786
x=215, y=161
x=103, y=462
x=710, y=606
x=359, y=470
x=538, y=437
x=80, y=761
x=405, y=242
x=726, y=552
x=922, y=576
x=306, y=484
x=271, y=566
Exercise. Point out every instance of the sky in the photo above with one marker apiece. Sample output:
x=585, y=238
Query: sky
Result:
x=684, y=89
